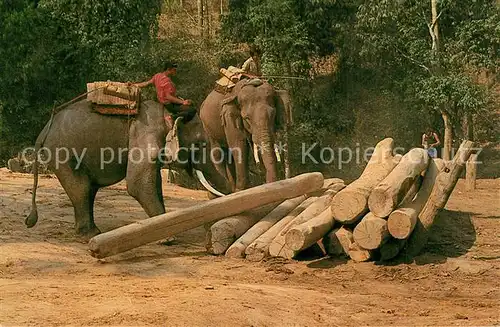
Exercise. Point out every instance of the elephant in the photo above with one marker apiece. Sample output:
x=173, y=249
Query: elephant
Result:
x=87, y=151
x=251, y=113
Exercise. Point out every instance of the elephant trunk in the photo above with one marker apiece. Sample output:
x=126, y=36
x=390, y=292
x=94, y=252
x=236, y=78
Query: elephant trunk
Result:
x=265, y=142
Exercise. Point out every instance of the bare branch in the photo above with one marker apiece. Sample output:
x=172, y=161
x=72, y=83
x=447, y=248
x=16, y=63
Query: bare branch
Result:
x=416, y=62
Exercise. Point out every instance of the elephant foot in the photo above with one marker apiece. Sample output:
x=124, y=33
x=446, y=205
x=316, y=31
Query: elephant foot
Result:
x=88, y=232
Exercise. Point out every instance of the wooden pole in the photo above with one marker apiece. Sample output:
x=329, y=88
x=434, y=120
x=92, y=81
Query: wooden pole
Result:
x=351, y=204
x=443, y=187
x=156, y=228
x=386, y=196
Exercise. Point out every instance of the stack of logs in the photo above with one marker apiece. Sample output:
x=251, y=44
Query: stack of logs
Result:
x=388, y=210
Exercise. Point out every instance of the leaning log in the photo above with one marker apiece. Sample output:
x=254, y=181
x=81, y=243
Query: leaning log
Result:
x=402, y=221
x=156, y=228
x=351, y=204
x=237, y=249
x=389, y=193
x=443, y=187
x=279, y=247
x=371, y=232
x=259, y=249
x=224, y=232
x=331, y=243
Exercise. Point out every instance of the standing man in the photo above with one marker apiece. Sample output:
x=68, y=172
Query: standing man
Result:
x=252, y=65
x=166, y=93
x=430, y=140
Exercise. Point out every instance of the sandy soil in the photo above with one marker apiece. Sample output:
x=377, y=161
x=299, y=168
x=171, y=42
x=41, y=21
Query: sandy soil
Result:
x=48, y=279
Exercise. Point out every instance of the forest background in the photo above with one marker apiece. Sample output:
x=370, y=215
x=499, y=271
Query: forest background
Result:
x=369, y=69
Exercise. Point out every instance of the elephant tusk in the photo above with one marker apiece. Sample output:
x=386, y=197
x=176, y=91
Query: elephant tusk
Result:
x=205, y=183
x=276, y=150
x=256, y=153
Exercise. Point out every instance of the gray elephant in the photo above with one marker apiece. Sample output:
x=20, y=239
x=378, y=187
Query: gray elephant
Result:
x=250, y=113
x=87, y=151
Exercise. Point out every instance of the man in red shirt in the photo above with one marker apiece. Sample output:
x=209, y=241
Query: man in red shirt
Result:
x=166, y=93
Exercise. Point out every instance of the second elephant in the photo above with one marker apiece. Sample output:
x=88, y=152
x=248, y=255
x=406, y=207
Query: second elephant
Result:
x=250, y=113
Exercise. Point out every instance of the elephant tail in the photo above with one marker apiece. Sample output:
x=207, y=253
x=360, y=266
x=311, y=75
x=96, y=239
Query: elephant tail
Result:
x=32, y=218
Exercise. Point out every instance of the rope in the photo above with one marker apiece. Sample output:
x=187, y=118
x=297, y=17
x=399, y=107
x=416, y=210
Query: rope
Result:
x=76, y=98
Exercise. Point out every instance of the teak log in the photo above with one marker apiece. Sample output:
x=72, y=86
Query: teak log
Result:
x=306, y=234
x=278, y=247
x=351, y=204
x=237, y=249
x=224, y=232
x=350, y=247
x=156, y=228
x=371, y=232
x=389, y=193
x=443, y=187
x=259, y=249
x=327, y=184
x=402, y=221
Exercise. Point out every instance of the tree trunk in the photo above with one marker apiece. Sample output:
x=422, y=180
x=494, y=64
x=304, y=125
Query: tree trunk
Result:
x=156, y=228
x=199, y=4
x=224, y=232
x=389, y=193
x=402, y=221
x=443, y=187
x=278, y=247
x=237, y=249
x=351, y=204
x=471, y=173
x=259, y=249
x=371, y=232
x=448, y=136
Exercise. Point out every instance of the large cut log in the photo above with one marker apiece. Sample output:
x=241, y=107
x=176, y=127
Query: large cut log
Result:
x=278, y=247
x=306, y=234
x=259, y=249
x=224, y=232
x=390, y=249
x=156, y=228
x=237, y=249
x=443, y=187
x=402, y=221
x=386, y=196
x=350, y=247
x=371, y=232
x=351, y=204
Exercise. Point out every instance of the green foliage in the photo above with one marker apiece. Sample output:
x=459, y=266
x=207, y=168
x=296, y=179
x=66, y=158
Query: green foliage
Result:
x=51, y=49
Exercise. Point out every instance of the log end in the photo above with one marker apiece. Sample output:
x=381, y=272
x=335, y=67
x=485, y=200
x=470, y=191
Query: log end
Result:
x=380, y=202
x=236, y=251
x=401, y=223
x=295, y=239
x=348, y=207
x=371, y=232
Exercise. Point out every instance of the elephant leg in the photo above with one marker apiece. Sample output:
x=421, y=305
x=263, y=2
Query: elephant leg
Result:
x=81, y=192
x=238, y=147
x=218, y=157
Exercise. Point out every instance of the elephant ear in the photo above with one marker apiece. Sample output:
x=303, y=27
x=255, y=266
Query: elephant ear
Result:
x=283, y=109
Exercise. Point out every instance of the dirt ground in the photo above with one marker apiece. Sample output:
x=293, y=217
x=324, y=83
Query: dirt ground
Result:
x=47, y=277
